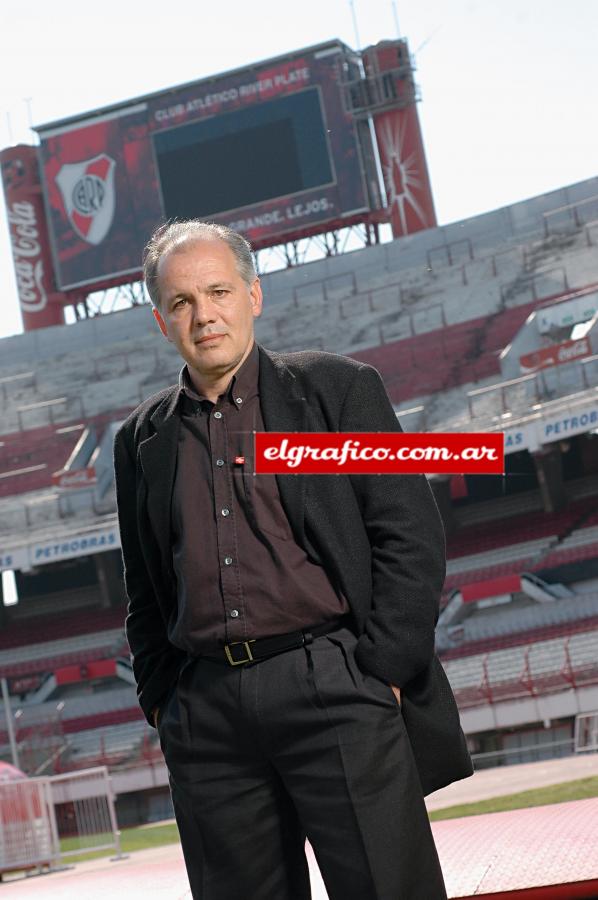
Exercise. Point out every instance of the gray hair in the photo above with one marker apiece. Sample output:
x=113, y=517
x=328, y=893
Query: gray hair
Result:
x=173, y=235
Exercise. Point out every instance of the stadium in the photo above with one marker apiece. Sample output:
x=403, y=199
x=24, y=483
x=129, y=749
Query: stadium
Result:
x=489, y=324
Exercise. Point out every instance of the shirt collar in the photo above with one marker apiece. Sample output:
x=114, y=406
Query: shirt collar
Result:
x=243, y=384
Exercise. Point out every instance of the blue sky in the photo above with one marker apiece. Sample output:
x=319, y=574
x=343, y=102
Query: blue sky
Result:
x=509, y=87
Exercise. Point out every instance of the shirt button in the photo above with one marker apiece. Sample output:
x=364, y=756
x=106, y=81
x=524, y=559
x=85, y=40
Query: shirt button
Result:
x=228, y=560
x=217, y=415
x=226, y=511
x=234, y=613
x=238, y=400
x=219, y=462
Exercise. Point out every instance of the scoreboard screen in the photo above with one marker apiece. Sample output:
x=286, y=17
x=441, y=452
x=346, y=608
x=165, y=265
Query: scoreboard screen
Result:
x=244, y=157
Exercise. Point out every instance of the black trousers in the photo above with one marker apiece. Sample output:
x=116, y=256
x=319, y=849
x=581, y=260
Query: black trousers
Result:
x=301, y=744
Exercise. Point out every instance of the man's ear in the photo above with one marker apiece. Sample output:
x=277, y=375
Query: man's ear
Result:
x=255, y=292
x=161, y=322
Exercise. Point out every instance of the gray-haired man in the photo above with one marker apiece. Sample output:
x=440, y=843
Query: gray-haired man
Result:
x=281, y=627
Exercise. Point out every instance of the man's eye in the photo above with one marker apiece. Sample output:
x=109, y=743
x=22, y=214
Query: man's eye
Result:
x=178, y=303
x=220, y=292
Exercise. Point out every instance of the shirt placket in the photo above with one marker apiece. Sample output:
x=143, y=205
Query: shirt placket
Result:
x=226, y=531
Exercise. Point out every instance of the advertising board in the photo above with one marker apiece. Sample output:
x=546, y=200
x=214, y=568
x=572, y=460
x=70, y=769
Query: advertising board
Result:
x=410, y=203
x=557, y=355
x=40, y=304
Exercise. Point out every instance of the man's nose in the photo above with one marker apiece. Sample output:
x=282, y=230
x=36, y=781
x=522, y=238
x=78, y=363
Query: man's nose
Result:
x=204, y=310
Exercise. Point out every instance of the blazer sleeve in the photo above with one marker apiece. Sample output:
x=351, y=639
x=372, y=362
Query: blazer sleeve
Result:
x=407, y=542
x=155, y=660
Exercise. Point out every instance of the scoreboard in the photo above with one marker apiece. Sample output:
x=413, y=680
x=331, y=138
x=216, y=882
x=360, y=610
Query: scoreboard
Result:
x=283, y=149
x=268, y=150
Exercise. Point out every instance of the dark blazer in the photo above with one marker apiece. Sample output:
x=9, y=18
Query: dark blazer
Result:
x=379, y=537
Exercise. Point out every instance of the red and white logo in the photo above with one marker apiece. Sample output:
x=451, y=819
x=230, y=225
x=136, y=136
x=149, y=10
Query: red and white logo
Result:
x=28, y=255
x=557, y=355
x=77, y=479
x=87, y=190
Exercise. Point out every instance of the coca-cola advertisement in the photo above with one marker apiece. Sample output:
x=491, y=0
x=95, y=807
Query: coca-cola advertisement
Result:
x=41, y=304
x=24, y=684
x=77, y=479
x=556, y=355
x=268, y=149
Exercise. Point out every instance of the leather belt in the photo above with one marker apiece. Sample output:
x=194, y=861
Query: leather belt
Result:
x=239, y=652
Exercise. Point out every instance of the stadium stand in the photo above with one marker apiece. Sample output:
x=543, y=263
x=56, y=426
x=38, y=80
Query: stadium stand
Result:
x=436, y=313
x=512, y=637
x=537, y=667
x=32, y=631
x=113, y=745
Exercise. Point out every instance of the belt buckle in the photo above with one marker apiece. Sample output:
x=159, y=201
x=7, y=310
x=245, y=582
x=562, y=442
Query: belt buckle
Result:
x=238, y=662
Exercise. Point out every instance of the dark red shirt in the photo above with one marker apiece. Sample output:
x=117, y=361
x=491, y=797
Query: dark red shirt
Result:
x=240, y=573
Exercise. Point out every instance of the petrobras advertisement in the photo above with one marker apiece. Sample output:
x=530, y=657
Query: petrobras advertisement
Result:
x=547, y=429
x=268, y=150
x=558, y=428
x=74, y=545
x=14, y=558
x=521, y=438
x=58, y=548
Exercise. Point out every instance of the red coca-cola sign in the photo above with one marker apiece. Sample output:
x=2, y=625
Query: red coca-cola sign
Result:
x=557, y=355
x=25, y=684
x=77, y=479
x=41, y=304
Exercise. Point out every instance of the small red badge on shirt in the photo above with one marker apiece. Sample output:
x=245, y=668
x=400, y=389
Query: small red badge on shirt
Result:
x=239, y=460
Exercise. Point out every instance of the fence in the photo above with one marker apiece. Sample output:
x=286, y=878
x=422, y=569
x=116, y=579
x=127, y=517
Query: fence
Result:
x=28, y=837
x=490, y=759
x=44, y=821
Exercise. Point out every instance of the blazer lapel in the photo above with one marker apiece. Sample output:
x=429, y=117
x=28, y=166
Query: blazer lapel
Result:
x=158, y=455
x=284, y=409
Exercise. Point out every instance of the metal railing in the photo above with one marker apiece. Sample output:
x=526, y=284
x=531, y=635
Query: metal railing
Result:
x=517, y=755
x=44, y=821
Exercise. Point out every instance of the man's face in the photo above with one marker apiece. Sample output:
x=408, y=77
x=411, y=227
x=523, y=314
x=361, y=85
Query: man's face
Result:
x=206, y=309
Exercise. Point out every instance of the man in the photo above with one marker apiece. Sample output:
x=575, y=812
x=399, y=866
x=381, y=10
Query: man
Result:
x=281, y=628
